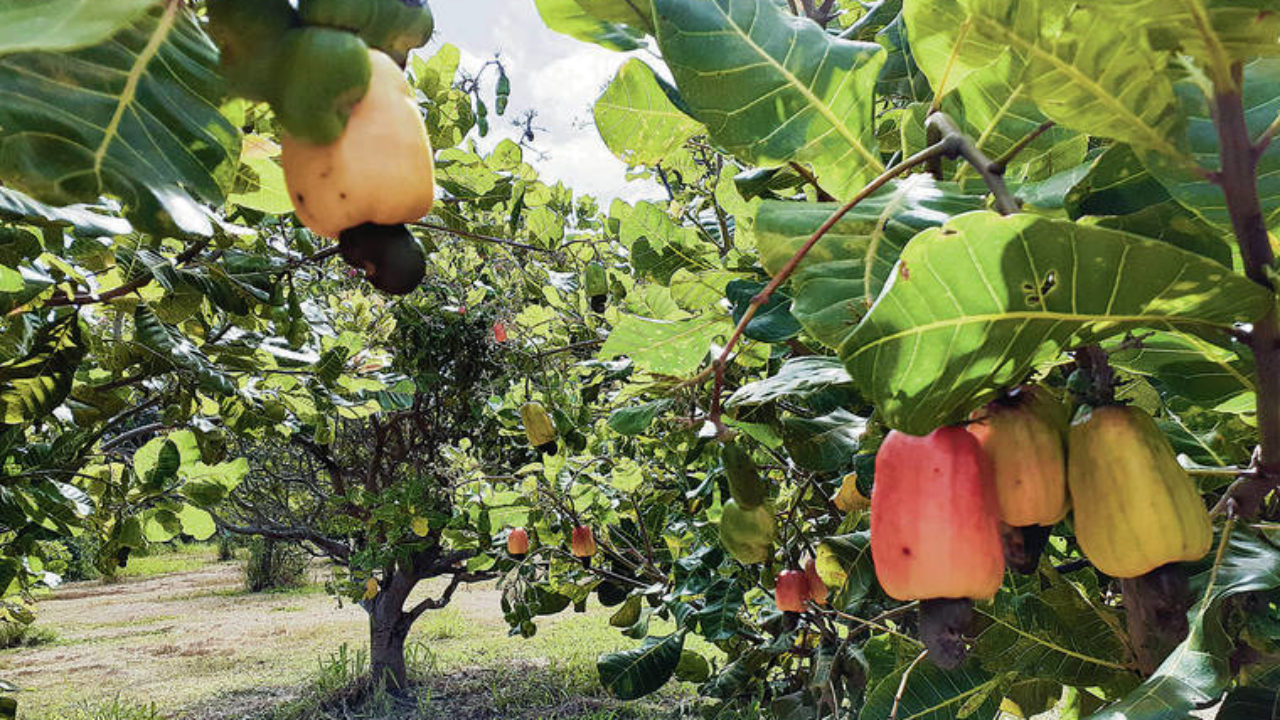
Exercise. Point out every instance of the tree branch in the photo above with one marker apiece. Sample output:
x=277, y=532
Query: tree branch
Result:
x=477, y=236
x=334, y=548
x=1239, y=180
x=952, y=144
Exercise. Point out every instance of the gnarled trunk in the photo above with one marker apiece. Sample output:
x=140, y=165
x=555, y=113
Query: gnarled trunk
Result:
x=389, y=626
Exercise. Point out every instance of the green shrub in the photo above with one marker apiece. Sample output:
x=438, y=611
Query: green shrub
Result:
x=274, y=566
x=16, y=634
x=115, y=709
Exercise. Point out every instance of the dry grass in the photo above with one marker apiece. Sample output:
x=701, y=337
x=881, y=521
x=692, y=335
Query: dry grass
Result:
x=198, y=647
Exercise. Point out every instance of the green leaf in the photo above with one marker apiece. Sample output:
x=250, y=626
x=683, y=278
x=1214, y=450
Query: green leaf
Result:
x=823, y=444
x=772, y=322
x=773, y=88
x=635, y=420
x=18, y=208
x=836, y=283
x=34, y=385
x=1084, y=72
x=637, y=119
x=1250, y=703
x=847, y=559
x=797, y=378
x=664, y=347
x=1187, y=366
x=1188, y=184
x=973, y=306
x=196, y=522
x=632, y=674
x=718, y=618
x=135, y=117
x=571, y=17
x=1056, y=634
x=1198, y=670
x=170, y=346
x=60, y=25
x=933, y=694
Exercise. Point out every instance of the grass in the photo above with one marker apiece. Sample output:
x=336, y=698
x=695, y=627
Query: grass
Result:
x=191, y=644
x=165, y=559
x=19, y=635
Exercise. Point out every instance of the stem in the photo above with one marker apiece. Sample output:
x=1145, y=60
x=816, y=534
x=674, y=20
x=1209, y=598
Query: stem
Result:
x=1003, y=161
x=951, y=143
x=1239, y=182
x=477, y=236
x=902, y=686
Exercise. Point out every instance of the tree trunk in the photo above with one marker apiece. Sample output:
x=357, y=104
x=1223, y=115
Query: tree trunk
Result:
x=389, y=626
x=386, y=651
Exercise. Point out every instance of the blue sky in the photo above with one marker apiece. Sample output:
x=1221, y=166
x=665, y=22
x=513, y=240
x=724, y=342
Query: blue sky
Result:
x=558, y=76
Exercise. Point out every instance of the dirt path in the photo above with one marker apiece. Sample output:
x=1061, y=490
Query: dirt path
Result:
x=180, y=638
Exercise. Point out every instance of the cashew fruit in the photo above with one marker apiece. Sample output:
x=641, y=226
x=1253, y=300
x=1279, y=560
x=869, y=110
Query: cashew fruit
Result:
x=393, y=26
x=791, y=590
x=537, y=425
x=518, y=543
x=325, y=73
x=934, y=517
x=584, y=542
x=379, y=171
x=392, y=258
x=745, y=484
x=1024, y=436
x=747, y=534
x=1135, y=507
x=249, y=34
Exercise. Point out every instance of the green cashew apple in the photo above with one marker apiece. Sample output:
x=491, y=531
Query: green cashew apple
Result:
x=325, y=74
x=249, y=34
x=380, y=170
x=747, y=534
x=393, y=26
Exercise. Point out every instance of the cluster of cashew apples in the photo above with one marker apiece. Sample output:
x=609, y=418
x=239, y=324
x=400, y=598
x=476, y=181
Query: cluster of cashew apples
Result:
x=941, y=502
x=357, y=161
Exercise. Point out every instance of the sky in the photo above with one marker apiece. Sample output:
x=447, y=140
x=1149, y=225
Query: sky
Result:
x=556, y=75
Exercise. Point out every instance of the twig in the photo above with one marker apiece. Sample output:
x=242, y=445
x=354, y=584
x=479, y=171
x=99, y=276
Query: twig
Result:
x=1002, y=162
x=952, y=143
x=478, y=236
x=902, y=686
x=127, y=436
x=809, y=177
x=131, y=286
x=1264, y=140
x=568, y=348
x=992, y=175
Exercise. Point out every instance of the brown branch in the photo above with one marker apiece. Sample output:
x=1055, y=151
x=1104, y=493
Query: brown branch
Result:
x=1002, y=162
x=567, y=348
x=902, y=686
x=131, y=434
x=333, y=548
x=131, y=286
x=1239, y=180
x=809, y=177
x=478, y=236
x=944, y=147
x=992, y=174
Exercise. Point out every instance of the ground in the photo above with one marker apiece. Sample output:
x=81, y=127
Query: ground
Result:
x=194, y=644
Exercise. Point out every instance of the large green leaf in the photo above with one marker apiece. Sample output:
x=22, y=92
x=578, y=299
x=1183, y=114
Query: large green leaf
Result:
x=631, y=674
x=797, y=378
x=135, y=117
x=838, y=280
x=1056, y=634
x=665, y=347
x=1087, y=74
x=16, y=207
x=823, y=444
x=933, y=694
x=1188, y=366
x=637, y=119
x=1189, y=184
x=1215, y=32
x=575, y=19
x=974, y=305
x=59, y=25
x=1198, y=670
x=33, y=386
x=773, y=88
x=171, y=346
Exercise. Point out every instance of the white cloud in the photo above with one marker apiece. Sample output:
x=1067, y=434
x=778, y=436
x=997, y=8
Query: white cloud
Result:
x=555, y=75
